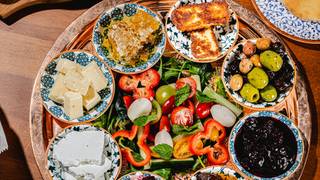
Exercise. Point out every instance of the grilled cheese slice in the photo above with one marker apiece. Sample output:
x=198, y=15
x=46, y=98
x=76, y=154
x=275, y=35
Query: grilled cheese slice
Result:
x=204, y=44
x=199, y=16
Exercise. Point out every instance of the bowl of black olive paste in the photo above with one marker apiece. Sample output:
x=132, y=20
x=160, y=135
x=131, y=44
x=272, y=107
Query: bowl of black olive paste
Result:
x=216, y=173
x=266, y=145
x=258, y=73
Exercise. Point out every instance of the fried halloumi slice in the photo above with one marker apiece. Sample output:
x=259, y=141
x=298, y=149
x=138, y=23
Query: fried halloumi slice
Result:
x=199, y=16
x=204, y=44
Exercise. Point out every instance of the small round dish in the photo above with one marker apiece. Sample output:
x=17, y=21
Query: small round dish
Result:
x=225, y=171
x=226, y=73
x=111, y=151
x=284, y=121
x=180, y=41
x=117, y=13
x=139, y=175
x=275, y=14
x=49, y=76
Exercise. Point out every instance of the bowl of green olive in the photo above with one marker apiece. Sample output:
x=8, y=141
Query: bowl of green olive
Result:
x=258, y=73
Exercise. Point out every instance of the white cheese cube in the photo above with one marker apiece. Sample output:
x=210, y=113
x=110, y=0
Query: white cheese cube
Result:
x=65, y=65
x=57, y=91
x=95, y=75
x=91, y=99
x=74, y=81
x=73, y=104
x=68, y=176
x=80, y=147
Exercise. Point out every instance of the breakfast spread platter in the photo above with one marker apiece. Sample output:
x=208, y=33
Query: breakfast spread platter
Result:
x=160, y=89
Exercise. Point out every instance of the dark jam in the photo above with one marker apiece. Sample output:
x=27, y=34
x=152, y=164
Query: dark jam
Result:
x=265, y=147
x=207, y=176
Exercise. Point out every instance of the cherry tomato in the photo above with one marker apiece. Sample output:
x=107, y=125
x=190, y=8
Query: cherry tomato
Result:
x=164, y=92
x=182, y=116
x=150, y=78
x=143, y=92
x=203, y=110
x=164, y=123
x=127, y=100
x=188, y=80
x=168, y=106
x=189, y=105
x=128, y=82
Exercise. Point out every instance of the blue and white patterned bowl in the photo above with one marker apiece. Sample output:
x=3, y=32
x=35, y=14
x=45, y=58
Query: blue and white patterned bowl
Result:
x=226, y=36
x=218, y=170
x=283, y=119
x=50, y=74
x=288, y=24
x=138, y=175
x=111, y=151
x=115, y=14
x=236, y=95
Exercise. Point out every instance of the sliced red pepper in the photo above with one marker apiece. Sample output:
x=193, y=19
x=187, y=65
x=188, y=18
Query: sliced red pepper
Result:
x=214, y=131
x=143, y=92
x=190, y=81
x=168, y=106
x=164, y=123
x=127, y=134
x=203, y=110
x=127, y=100
x=143, y=146
x=128, y=82
x=149, y=78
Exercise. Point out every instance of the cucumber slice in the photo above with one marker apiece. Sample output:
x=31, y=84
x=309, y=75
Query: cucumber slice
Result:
x=173, y=163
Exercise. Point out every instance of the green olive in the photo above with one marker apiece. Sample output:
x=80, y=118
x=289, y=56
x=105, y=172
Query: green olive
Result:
x=269, y=93
x=271, y=60
x=263, y=43
x=250, y=93
x=258, y=78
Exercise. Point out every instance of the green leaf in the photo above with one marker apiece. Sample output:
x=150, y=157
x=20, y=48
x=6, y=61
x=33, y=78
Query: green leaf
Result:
x=202, y=98
x=182, y=95
x=186, y=130
x=165, y=173
x=143, y=120
x=137, y=157
x=164, y=151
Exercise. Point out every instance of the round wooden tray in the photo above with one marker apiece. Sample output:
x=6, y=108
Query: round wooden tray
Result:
x=78, y=36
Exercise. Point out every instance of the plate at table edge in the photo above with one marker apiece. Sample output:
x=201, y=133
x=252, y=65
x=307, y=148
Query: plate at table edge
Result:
x=84, y=126
x=183, y=37
x=256, y=106
x=143, y=173
x=266, y=20
x=47, y=78
x=285, y=120
x=119, y=68
x=218, y=169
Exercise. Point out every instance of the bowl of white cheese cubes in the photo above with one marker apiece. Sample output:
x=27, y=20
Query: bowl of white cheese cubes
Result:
x=83, y=152
x=76, y=86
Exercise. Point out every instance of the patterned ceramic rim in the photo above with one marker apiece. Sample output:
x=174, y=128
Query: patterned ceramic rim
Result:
x=141, y=173
x=187, y=54
x=218, y=169
x=116, y=155
x=286, y=121
x=49, y=74
x=104, y=20
x=267, y=14
x=237, y=97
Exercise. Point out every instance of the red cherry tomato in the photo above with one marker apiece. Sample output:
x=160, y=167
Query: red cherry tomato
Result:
x=164, y=123
x=203, y=110
x=143, y=92
x=168, y=105
x=189, y=105
x=182, y=116
x=188, y=80
x=149, y=78
x=128, y=82
x=127, y=100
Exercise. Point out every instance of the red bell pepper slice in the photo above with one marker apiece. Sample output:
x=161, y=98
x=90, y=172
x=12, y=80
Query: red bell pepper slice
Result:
x=127, y=100
x=127, y=134
x=218, y=154
x=164, y=123
x=143, y=146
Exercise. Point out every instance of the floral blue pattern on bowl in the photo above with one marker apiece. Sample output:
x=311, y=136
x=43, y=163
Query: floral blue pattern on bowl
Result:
x=281, y=17
x=218, y=170
x=111, y=151
x=181, y=42
x=139, y=175
x=48, y=78
x=117, y=13
x=236, y=95
x=285, y=120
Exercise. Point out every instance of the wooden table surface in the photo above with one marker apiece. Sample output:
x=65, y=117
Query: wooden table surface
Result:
x=25, y=43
